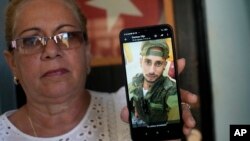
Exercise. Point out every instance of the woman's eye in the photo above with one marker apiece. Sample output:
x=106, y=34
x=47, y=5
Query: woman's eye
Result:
x=70, y=35
x=65, y=36
x=30, y=42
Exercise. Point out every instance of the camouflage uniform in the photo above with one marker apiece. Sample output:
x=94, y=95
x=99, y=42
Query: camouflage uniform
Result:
x=154, y=107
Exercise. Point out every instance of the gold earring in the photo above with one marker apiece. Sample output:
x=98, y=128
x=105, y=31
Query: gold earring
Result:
x=15, y=80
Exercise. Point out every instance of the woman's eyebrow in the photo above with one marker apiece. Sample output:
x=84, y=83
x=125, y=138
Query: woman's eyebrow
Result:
x=29, y=29
x=39, y=29
x=65, y=25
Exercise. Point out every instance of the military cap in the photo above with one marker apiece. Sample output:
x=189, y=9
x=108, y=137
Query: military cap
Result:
x=161, y=43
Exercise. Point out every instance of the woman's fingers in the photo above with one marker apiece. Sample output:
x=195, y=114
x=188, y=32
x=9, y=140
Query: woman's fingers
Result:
x=181, y=65
x=189, y=122
x=124, y=114
x=188, y=98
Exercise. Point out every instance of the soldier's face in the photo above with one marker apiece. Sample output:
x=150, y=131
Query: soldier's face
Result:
x=152, y=67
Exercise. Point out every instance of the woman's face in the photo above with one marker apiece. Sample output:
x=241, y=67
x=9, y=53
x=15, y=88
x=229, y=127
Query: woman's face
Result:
x=52, y=73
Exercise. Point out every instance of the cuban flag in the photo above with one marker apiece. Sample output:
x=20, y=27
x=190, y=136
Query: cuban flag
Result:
x=106, y=18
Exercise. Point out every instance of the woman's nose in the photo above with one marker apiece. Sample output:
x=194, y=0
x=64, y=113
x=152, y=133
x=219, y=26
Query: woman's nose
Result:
x=51, y=49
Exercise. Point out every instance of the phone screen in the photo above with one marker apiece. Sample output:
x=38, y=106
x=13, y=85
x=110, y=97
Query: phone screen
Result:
x=152, y=91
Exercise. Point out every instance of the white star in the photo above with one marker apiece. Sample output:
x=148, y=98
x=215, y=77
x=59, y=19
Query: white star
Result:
x=114, y=8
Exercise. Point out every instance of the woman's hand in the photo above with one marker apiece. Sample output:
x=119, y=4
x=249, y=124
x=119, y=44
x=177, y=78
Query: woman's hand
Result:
x=186, y=97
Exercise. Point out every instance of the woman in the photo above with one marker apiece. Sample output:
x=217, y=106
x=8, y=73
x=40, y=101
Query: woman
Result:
x=49, y=55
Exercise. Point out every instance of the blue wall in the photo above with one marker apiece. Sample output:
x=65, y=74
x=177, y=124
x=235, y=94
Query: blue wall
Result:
x=7, y=97
x=228, y=23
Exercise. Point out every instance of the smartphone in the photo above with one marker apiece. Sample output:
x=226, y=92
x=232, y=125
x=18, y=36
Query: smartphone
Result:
x=152, y=91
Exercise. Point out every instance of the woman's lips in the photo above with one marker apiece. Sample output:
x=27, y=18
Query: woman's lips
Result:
x=56, y=72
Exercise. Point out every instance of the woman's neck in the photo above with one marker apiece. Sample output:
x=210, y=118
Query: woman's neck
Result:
x=55, y=119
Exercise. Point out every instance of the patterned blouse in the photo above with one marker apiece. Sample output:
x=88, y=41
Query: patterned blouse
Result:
x=101, y=123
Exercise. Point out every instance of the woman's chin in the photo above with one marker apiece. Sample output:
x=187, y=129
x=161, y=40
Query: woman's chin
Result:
x=57, y=91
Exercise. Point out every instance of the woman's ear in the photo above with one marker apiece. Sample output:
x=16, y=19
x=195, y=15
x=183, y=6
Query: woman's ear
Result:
x=88, y=55
x=9, y=57
x=88, y=58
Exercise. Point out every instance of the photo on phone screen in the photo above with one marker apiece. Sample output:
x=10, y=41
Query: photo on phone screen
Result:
x=152, y=89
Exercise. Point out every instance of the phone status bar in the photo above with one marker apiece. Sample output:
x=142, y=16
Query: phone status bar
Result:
x=141, y=36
